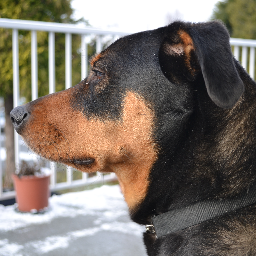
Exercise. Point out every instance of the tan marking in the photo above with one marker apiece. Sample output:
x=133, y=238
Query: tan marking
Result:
x=125, y=147
x=187, y=41
x=95, y=58
x=183, y=48
x=188, y=47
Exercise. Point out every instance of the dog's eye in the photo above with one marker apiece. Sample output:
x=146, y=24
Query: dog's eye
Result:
x=98, y=73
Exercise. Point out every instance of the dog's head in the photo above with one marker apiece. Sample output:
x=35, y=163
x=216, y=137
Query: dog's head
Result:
x=135, y=104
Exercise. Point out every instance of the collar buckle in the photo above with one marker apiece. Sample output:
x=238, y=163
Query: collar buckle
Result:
x=150, y=229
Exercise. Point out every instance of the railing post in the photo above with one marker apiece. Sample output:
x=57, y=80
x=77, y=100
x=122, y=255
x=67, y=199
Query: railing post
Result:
x=98, y=44
x=51, y=42
x=15, y=63
x=1, y=171
x=84, y=54
x=68, y=61
x=244, y=57
x=34, y=65
x=116, y=37
x=68, y=80
x=51, y=62
x=84, y=71
x=252, y=62
x=236, y=52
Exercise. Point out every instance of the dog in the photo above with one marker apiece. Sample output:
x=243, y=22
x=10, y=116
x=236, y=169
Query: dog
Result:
x=172, y=113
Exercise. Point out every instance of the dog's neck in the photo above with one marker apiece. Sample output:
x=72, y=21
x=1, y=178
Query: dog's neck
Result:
x=194, y=214
x=205, y=160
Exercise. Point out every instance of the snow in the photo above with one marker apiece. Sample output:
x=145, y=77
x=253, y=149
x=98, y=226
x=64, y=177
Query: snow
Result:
x=44, y=171
x=9, y=248
x=51, y=243
x=103, y=208
x=54, y=242
x=106, y=201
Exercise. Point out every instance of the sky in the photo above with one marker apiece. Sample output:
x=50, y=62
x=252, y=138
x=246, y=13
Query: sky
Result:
x=139, y=15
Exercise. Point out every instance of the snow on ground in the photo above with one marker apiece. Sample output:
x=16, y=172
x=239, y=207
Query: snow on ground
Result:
x=101, y=212
x=106, y=198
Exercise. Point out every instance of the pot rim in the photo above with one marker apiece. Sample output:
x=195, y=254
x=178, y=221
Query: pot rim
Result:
x=30, y=177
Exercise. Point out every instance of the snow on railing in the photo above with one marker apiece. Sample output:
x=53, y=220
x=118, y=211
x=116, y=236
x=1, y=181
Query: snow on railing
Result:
x=244, y=51
x=51, y=28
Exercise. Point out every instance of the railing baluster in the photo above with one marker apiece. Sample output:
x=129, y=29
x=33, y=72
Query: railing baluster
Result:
x=252, y=62
x=34, y=65
x=116, y=38
x=98, y=44
x=51, y=58
x=84, y=176
x=84, y=68
x=16, y=91
x=68, y=81
x=84, y=54
x=15, y=59
x=244, y=57
x=51, y=62
x=68, y=61
x=236, y=52
x=1, y=171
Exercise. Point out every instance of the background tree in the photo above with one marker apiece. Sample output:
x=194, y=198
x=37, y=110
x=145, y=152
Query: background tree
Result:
x=239, y=17
x=40, y=10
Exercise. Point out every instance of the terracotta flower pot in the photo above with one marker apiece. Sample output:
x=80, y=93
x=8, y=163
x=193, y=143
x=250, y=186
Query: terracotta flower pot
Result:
x=32, y=192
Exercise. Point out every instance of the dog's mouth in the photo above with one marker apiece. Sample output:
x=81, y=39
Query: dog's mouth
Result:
x=80, y=162
x=87, y=161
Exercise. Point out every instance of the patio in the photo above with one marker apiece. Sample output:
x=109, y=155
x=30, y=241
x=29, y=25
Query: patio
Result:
x=88, y=223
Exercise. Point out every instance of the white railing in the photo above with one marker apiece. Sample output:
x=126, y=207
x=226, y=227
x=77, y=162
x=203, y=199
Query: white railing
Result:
x=244, y=51
x=52, y=28
x=242, y=47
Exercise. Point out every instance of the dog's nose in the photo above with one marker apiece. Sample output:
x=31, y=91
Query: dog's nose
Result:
x=19, y=116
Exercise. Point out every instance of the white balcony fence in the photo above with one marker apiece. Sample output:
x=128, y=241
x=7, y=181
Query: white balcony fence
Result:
x=86, y=33
x=244, y=51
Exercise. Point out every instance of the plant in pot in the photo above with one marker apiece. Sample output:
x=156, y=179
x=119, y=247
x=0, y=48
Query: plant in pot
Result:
x=31, y=184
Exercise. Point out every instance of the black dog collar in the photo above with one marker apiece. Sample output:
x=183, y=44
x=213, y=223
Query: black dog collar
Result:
x=178, y=219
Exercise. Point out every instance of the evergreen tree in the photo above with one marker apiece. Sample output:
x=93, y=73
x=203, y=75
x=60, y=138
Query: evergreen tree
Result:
x=239, y=17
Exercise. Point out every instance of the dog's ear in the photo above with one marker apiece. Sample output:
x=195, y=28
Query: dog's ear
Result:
x=203, y=47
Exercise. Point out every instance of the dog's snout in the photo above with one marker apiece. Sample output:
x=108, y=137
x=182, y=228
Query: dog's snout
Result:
x=19, y=116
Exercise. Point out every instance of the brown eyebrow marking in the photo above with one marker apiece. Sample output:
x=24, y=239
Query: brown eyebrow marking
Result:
x=188, y=47
x=187, y=41
x=95, y=58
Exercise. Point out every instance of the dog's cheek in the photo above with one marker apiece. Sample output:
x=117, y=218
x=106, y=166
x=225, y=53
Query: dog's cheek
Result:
x=137, y=142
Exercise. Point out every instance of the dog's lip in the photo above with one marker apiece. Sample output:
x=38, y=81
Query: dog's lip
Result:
x=86, y=161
